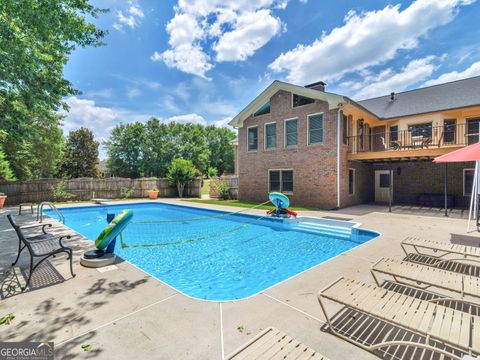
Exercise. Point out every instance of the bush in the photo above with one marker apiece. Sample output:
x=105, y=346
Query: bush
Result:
x=222, y=189
x=212, y=172
x=59, y=193
x=180, y=172
x=125, y=193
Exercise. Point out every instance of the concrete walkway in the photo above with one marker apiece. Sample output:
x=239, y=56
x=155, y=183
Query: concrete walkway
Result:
x=124, y=313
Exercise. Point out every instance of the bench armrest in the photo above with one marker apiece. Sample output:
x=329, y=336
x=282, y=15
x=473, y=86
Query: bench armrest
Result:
x=44, y=226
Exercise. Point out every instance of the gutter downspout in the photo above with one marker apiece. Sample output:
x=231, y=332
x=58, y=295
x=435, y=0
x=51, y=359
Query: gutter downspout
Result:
x=338, y=154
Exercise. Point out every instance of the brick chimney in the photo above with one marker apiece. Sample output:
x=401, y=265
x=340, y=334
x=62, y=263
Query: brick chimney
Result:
x=319, y=85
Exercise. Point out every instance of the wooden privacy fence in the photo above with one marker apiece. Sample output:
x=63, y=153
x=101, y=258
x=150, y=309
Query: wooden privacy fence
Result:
x=37, y=191
x=231, y=181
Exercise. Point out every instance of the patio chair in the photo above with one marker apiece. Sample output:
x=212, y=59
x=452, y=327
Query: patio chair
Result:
x=442, y=249
x=40, y=246
x=429, y=320
x=424, y=277
x=274, y=344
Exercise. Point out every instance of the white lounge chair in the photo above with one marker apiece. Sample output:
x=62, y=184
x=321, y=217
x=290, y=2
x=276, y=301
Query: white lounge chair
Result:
x=426, y=276
x=442, y=249
x=450, y=327
x=274, y=344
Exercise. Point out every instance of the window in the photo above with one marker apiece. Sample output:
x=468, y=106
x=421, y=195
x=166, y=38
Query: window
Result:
x=301, y=100
x=351, y=181
x=291, y=136
x=449, y=130
x=252, y=139
x=394, y=133
x=280, y=180
x=345, y=129
x=274, y=181
x=468, y=175
x=270, y=136
x=264, y=109
x=384, y=180
x=315, y=129
x=473, y=130
x=423, y=130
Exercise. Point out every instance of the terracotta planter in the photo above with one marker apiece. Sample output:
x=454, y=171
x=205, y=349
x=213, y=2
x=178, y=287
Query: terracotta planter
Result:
x=153, y=195
x=2, y=200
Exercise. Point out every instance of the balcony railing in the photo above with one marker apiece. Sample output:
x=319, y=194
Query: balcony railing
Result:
x=419, y=138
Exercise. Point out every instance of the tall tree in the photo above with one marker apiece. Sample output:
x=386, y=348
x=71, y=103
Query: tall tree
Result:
x=222, y=151
x=81, y=155
x=37, y=38
x=125, y=149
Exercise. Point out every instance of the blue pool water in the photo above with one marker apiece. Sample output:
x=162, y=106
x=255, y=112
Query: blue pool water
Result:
x=222, y=258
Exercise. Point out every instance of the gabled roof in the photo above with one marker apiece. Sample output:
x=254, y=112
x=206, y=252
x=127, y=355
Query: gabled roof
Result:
x=334, y=100
x=447, y=96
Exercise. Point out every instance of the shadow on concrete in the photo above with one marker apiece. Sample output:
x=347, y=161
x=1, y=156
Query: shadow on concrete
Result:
x=58, y=316
x=466, y=240
x=45, y=275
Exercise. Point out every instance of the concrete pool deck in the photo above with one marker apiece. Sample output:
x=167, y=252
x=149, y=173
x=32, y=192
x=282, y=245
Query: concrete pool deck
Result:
x=124, y=313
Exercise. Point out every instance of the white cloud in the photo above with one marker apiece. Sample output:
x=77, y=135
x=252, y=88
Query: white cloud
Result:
x=365, y=40
x=224, y=122
x=251, y=32
x=131, y=93
x=103, y=93
x=388, y=81
x=187, y=118
x=232, y=29
x=473, y=70
x=130, y=17
x=101, y=120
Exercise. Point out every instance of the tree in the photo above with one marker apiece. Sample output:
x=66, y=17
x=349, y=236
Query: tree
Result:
x=125, y=150
x=81, y=155
x=5, y=172
x=181, y=172
x=37, y=38
x=148, y=149
x=222, y=151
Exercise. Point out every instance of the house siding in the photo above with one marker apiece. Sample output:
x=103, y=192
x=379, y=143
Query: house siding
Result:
x=314, y=166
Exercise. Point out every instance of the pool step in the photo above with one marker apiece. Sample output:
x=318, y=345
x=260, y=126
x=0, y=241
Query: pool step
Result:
x=338, y=232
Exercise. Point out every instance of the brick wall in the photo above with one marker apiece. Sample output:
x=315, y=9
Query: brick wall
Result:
x=417, y=177
x=314, y=166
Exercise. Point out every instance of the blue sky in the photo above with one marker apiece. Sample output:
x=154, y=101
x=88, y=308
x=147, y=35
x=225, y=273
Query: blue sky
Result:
x=203, y=60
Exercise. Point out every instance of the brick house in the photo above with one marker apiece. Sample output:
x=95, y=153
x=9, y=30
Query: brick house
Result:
x=326, y=150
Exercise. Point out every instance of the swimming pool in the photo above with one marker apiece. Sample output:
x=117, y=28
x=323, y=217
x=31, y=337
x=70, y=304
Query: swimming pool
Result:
x=227, y=257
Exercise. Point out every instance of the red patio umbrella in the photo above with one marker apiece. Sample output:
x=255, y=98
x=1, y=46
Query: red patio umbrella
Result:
x=468, y=153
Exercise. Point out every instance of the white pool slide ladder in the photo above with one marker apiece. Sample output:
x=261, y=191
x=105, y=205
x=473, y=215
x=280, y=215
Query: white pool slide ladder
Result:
x=51, y=206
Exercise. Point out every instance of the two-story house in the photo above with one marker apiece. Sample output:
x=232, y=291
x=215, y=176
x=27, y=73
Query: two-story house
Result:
x=326, y=150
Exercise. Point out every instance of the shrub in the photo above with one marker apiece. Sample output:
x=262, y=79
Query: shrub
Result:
x=180, y=172
x=222, y=189
x=125, y=193
x=212, y=172
x=59, y=193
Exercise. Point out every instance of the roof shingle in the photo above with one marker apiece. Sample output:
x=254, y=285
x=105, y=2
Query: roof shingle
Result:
x=452, y=95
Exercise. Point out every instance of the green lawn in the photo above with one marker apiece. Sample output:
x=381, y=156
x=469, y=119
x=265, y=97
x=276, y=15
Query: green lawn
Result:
x=206, y=187
x=247, y=204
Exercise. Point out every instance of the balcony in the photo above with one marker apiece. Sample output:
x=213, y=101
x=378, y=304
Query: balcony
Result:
x=419, y=141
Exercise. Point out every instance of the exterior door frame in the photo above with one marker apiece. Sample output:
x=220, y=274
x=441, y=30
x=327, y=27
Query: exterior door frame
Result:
x=382, y=195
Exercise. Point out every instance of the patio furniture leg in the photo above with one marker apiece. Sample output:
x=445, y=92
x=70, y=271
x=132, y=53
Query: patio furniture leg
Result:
x=70, y=256
x=20, y=249
x=29, y=274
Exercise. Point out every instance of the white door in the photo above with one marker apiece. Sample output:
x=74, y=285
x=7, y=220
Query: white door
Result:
x=382, y=186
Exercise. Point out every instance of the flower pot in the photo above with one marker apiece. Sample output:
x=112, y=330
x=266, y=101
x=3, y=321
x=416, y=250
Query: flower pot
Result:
x=2, y=200
x=153, y=195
